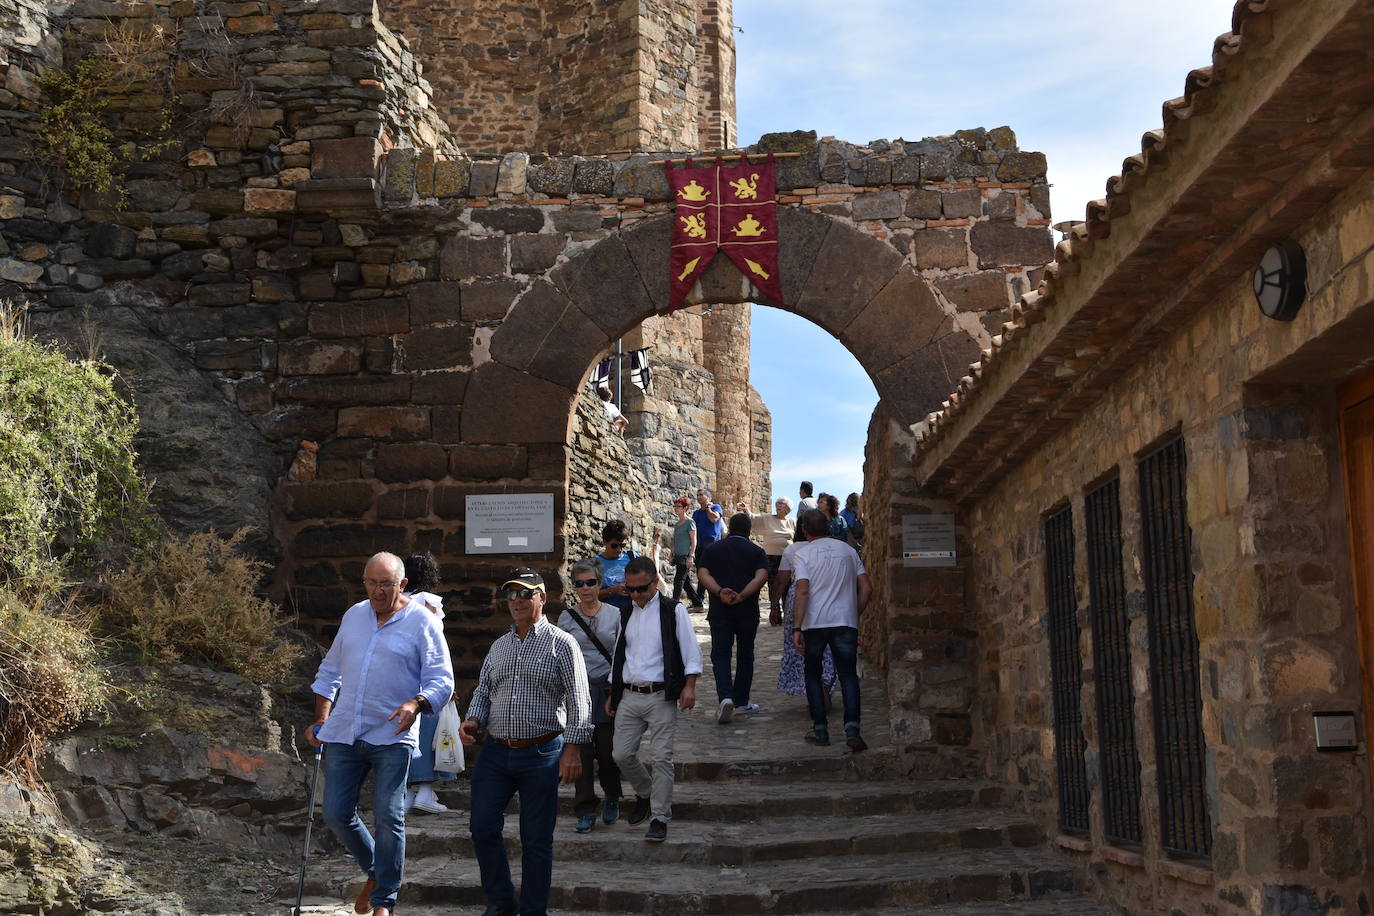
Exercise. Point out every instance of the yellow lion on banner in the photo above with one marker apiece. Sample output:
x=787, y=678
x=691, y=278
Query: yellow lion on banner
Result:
x=694, y=225
x=746, y=189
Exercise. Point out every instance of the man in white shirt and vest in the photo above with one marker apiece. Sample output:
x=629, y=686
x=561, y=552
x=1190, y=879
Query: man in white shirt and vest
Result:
x=653, y=675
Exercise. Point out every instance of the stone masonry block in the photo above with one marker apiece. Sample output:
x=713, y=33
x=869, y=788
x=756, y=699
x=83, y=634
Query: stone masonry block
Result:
x=924, y=204
x=532, y=254
x=800, y=235
x=525, y=329
x=510, y=219
x=936, y=248
x=1001, y=244
x=406, y=462
x=902, y=318
x=328, y=499
x=397, y=424
x=487, y=462
x=403, y=503
x=962, y=204
x=836, y=292
x=553, y=177
x=434, y=303
x=344, y=391
x=977, y=291
x=594, y=176
x=444, y=387
x=360, y=318
x=498, y=395
x=443, y=347
x=318, y=357
x=605, y=284
x=882, y=205
x=489, y=300
x=463, y=258
x=349, y=540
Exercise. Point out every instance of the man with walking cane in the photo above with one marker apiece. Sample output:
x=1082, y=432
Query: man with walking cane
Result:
x=388, y=663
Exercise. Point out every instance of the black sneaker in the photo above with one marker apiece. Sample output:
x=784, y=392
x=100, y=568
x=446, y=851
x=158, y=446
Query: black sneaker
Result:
x=818, y=736
x=658, y=831
x=640, y=810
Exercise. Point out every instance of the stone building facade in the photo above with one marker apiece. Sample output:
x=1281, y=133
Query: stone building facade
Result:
x=1164, y=554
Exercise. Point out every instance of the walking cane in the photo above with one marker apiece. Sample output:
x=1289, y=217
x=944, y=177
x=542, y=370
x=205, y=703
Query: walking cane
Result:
x=309, y=823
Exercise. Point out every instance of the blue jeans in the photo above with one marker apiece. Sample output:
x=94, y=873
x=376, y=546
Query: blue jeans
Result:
x=844, y=649
x=345, y=768
x=499, y=773
x=728, y=626
x=422, y=764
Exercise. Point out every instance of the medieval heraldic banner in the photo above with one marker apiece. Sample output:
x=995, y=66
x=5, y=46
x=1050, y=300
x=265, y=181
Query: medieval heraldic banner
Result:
x=509, y=523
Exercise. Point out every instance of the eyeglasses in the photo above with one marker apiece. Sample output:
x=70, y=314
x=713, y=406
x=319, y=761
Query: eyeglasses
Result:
x=638, y=589
x=583, y=583
x=380, y=583
x=514, y=594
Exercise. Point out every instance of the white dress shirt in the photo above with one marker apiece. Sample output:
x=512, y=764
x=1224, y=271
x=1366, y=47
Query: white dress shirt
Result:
x=644, y=643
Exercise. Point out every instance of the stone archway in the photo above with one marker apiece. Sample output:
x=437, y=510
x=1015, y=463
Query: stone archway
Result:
x=856, y=287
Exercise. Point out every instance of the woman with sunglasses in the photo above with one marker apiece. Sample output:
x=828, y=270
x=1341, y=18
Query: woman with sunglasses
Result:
x=596, y=626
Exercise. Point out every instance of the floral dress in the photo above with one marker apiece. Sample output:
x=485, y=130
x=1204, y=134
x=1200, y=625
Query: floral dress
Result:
x=792, y=671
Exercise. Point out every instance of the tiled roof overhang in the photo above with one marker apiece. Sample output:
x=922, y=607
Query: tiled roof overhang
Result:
x=1260, y=142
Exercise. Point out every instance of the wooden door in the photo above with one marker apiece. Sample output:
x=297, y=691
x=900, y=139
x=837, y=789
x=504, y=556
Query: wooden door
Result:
x=1357, y=438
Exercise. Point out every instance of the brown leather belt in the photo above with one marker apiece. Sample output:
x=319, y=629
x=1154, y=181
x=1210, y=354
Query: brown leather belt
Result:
x=655, y=687
x=525, y=742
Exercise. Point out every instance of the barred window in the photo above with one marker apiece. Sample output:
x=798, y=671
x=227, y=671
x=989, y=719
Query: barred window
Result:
x=1175, y=682
x=1117, y=753
x=1066, y=671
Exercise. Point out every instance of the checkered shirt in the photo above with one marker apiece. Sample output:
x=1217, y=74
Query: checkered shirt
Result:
x=533, y=686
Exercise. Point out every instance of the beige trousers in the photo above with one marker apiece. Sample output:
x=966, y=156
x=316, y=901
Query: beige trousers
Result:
x=640, y=715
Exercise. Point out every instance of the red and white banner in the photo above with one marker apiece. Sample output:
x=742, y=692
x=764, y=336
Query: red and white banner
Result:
x=724, y=208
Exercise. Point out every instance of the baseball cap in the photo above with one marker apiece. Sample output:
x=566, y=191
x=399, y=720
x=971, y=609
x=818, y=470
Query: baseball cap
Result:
x=524, y=577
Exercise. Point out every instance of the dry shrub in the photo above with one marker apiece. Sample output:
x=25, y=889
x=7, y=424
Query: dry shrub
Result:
x=193, y=600
x=50, y=678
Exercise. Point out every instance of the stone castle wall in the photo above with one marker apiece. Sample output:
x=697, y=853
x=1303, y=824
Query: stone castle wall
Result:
x=575, y=75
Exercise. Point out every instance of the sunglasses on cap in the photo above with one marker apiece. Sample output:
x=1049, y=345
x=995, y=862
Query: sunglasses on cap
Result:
x=512, y=594
x=582, y=583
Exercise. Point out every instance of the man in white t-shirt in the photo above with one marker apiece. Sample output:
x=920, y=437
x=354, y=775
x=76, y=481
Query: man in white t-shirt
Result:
x=832, y=591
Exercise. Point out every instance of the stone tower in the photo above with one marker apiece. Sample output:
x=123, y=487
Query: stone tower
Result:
x=577, y=76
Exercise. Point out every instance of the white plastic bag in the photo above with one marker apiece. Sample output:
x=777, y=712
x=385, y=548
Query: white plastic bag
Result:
x=448, y=747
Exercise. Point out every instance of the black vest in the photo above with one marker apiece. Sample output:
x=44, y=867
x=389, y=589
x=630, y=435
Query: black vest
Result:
x=674, y=671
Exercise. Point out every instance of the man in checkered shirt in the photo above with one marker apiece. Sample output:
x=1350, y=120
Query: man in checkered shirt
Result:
x=532, y=701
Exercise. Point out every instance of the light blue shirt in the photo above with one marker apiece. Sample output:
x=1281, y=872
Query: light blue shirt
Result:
x=376, y=669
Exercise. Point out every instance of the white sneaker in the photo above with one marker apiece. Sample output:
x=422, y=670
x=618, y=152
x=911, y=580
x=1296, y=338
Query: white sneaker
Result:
x=748, y=707
x=726, y=712
x=425, y=801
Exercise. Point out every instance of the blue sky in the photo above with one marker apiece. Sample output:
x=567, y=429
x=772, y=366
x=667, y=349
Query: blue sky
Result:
x=1079, y=80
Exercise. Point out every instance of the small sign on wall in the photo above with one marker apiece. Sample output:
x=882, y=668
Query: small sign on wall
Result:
x=1335, y=731
x=928, y=540
x=509, y=523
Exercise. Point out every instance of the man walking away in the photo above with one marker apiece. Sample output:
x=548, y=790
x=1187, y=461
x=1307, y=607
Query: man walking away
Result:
x=529, y=677
x=653, y=675
x=388, y=663
x=832, y=591
x=733, y=571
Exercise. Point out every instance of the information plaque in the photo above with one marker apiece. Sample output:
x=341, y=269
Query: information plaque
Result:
x=928, y=540
x=509, y=523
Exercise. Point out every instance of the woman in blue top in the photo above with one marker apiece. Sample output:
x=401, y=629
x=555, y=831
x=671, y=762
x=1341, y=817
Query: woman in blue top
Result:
x=830, y=505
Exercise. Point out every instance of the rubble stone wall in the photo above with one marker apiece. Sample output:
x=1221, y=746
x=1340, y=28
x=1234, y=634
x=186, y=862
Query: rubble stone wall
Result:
x=1255, y=401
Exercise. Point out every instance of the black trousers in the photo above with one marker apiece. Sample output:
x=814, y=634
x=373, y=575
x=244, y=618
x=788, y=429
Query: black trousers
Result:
x=597, y=764
x=682, y=578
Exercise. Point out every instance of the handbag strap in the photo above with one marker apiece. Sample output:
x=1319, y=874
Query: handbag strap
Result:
x=590, y=635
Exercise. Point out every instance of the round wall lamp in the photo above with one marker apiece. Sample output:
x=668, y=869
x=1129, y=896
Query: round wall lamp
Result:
x=1281, y=281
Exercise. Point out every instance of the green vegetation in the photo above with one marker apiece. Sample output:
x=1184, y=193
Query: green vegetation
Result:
x=73, y=506
x=193, y=600
x=68, y=484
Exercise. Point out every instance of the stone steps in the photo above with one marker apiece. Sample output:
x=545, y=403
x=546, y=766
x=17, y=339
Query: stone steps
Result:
x=808, y=886
x=738, y=800
x=1054, y=906
x=766, y=840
